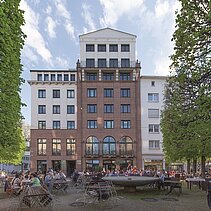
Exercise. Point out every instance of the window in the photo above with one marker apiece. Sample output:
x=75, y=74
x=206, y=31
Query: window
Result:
x=108, y=76
x=70, y=124
x=70, y=93
x=41, y=124
x=125, y=92
x=108, y=124
x=125, y=62
x=41, y=109
x=56, y=149
x=101, y=48
x=66, y=77
x=90, y=48
x=108, y=108
x=154, y=144
x=92, y=146
x=70, y=109
x=109, y=146
x=91, y=92
x=41, y=146
x=56, y=124
x=125, y=108
x=71, y=148
x=113, y=48
x=125, y=124
x=113, y=62
x=125, y=146
x=56, y=109
x=91, y=108
x=39, y=77
x=152, y=83
x=124, y=76
x=153, y=97
x=125, y=48
x=154, y=128
x=90, y=62
x=72, y=77
x=46, y=77
x=41, y=93
x=108, y=92
x=153, y=113
x=102, y=63
x=92, y=165
x=91, y=76
x=53, y=77
x=91, y=124
x=56, y=93
x=59, y=77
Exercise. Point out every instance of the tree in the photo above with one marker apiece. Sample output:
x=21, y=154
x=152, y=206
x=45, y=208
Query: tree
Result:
x=12, y=143
x=188, y=90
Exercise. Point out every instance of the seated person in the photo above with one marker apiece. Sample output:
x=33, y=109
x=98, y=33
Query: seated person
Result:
x=35, y=182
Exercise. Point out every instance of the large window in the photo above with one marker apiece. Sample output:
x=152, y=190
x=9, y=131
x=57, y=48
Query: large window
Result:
x=108, y=76
x=70, y=109
x=108, y=92
x=91, y=76
x=46, y=77
x=91, y=124
x=90, y=62
x=109, y=146
x=56, y=109
x=66, y=77
x=126, y=146
x=102, y=63
x=56, y=124
x=41, y=124
x=53, y=77
x=108, y=108
x=90, y=48
x=71, y=149
x=92, y=146
x=70, y=124
x=59, y=77
x=70, y=93
x=125, y=124
x=113, y=62
x=125, y=62
x=41, y=109
x=91, y=108
x=101, y=48
x=153, y=113
x=56, y=93
x=91, y=92
x=92, y=165
x=108, y=124
x=113, y=48
x=56, y=149
x=154, y=144
x=154, y=128
x=72, y=77
x=125, y=108
x=39, y=77
x=153, y=97
x=125, y=48
x=125, y=92
x=124, y=76
x=41, y=93
x=41, y=146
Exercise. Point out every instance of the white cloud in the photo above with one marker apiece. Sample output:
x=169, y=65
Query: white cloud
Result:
x=87, y=15
x=67, y=22
x=60, y=62
x=48, y=10
x=51, y=25
x=34, y=38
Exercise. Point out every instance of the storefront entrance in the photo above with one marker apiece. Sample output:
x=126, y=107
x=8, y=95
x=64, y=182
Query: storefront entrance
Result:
x=109, y=164
x=71, y=166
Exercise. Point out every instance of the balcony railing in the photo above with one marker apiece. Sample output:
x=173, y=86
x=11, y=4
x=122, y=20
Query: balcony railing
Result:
x=108, y=65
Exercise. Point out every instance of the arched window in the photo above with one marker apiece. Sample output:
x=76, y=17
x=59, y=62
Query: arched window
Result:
x=92, y=146
x=109, y=146
x=126, y=146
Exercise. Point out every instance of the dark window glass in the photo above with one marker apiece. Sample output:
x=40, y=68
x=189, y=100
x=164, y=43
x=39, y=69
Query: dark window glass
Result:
x=56, y=93
x=113, y=48
x=91, y=124
x=113, y=62
x=126, y=146
x=125, y=108
x=70, y=109
x=90, y=62
x=109, y=146
x=102, y=63
x=108, y=92
x=92, y=108
x=66, y=77
x=108, y=108
x=91, y=92
x=90, y=48
x=53, y=77
x=39, y=77
x=125, y=124
x=91, y=76
x=108, y=124
x=41, y=109
x=125, y=48
x=41, y=93
x=46, y=77
x=108, y=76
x=70, y=124
x=92, y=146
x=70, y=93
x=125, y=62
x=101, y=48
x=72, y=77
x=125, y=92
x=124, y=76
x=59, y=77
x=41, y=124
x=56, y=109
x=56, y=124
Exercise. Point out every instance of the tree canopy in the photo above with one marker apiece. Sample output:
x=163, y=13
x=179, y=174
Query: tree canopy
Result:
x=12, y=142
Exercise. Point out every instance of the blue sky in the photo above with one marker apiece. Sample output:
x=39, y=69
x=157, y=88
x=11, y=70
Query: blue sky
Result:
x=53, y=26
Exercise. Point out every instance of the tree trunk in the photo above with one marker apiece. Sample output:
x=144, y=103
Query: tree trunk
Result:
x=194, y=166
x=188, y=166
x=203, y=160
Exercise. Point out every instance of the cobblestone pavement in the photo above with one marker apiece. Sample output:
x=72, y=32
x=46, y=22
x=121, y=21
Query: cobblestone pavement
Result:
x=142, y=200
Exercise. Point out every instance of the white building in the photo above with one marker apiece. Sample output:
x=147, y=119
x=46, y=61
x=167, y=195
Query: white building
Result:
x=151, y=105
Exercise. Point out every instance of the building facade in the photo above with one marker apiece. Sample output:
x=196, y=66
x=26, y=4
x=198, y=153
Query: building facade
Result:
x=151, y=105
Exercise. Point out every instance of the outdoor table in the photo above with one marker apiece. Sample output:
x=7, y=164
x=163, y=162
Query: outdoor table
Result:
x=197, y=180
x=60, y=185
x=173, y=184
